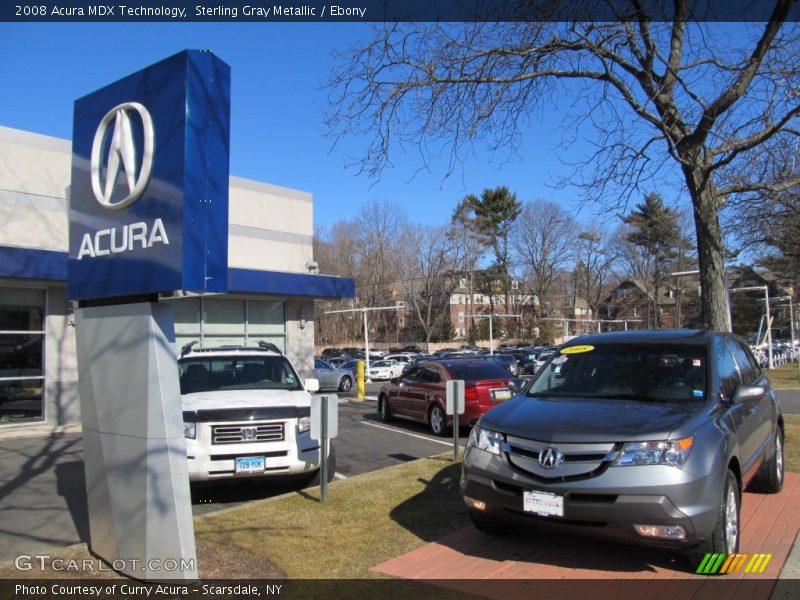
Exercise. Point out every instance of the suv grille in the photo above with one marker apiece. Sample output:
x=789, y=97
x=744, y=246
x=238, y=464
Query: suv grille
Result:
x=578, y=460
x=236, y=434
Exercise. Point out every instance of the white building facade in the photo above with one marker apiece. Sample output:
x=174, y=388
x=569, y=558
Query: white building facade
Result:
x=271, y=280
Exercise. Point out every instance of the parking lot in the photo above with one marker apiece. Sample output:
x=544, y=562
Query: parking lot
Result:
x=42, y=493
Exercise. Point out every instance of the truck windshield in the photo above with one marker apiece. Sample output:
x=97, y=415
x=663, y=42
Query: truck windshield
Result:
x=208, y=374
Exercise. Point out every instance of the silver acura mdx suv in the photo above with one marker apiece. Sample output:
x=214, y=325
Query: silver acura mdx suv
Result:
x=647, y=436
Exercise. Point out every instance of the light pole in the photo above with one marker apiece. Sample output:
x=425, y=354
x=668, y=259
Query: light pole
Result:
x=365, y=310
x=765, y=289
x=791, y=315
x=490, y=316
x=791, y=329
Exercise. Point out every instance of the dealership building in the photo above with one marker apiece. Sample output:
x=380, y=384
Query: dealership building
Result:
x=272, y=280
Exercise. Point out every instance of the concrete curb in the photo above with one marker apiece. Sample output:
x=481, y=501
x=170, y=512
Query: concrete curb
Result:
x=43, y=430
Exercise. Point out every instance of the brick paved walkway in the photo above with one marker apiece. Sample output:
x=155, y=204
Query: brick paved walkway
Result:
x=770, y=524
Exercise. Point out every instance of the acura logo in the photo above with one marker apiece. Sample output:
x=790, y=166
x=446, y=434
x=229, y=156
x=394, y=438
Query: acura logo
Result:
x=550, y=458
x=122, y=153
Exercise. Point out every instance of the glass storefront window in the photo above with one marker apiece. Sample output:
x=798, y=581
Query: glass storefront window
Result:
x=223, y=316
x=265, y=318
x=229, y=321
x=21, y=400
x=21, y=309
x=187, y=316
x=21, y=355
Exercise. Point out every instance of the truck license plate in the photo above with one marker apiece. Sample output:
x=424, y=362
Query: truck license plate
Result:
x=250, y=464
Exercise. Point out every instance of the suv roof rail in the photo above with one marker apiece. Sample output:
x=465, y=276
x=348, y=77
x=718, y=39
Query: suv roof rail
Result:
x=186, y=348
x=262, y=346
x=268, y=346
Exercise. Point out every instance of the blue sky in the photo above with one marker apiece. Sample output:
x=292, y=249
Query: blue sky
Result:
x=278, y=73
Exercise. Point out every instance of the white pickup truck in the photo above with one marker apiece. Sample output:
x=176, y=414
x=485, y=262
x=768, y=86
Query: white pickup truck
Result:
x=246, y=413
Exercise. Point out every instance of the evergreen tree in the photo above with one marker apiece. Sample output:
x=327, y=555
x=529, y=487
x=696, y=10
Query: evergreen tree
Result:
x=655, y=229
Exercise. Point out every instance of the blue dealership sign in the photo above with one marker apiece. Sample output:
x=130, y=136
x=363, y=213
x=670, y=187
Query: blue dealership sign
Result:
x=149, y=195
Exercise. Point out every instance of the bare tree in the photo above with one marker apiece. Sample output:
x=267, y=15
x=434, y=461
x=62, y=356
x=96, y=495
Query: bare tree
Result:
x=382, y=228
x=666, y=99
x=769, y=223
x=430, y=276
x=543, y=239
x=335, y=251
x=594, y=259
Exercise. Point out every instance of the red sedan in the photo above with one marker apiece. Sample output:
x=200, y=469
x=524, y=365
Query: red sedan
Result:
x=419, y=394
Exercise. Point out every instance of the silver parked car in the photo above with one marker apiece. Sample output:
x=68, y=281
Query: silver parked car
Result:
x=640, y=436
x=333, y=378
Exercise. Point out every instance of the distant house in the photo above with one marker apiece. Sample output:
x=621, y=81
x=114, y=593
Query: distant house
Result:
x=467, y=298
x=747, y=305
x=744, y=276
x=634, y=306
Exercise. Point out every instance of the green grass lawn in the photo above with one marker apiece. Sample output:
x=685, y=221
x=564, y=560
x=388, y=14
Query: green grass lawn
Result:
x=785, y=376
x=366, y=521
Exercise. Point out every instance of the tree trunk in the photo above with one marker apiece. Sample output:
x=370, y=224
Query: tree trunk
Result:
x=713, y=293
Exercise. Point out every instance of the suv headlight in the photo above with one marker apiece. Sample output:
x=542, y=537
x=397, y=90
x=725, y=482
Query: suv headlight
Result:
x=485, y=439
x=189, y=429
x=303, y=424
x=670, y=452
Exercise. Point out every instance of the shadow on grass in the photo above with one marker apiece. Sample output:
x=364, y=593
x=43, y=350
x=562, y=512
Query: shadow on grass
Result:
x=438, y=510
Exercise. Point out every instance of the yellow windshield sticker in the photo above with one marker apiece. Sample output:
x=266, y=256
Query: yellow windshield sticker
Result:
x=577, y=349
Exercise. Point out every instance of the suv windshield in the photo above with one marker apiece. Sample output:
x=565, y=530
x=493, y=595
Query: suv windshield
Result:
x=647, y=372
x=214, y=373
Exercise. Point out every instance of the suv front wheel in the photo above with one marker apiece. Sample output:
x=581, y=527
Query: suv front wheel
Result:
x=769, y=479
x=725, y=537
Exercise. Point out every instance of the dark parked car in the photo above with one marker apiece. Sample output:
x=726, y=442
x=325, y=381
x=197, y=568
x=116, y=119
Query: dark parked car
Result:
x=507, y=361
x=419, y=394
x=641, y=436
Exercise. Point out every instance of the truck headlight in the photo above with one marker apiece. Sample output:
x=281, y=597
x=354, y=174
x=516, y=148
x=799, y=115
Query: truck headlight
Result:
x=303, y=424
x=669, y=452
x=189, y=429
x=485, y=439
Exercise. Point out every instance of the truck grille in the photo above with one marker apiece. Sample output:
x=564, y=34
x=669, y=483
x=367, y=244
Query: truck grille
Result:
x=237, y=434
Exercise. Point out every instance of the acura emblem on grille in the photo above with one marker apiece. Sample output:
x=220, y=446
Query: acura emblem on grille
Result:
x=550, y=458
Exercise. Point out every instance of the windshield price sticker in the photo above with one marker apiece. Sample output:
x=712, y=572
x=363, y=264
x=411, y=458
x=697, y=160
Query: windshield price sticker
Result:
x=543, y=503
x=577, y=349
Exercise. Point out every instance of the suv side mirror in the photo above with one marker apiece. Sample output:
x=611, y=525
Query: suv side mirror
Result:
x=312, y=385
x=745, y=393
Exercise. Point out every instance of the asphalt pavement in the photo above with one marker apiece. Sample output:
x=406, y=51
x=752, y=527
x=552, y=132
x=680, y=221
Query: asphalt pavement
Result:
x=42, y=488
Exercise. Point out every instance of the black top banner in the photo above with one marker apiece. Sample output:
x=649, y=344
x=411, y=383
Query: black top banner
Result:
x=377, y=11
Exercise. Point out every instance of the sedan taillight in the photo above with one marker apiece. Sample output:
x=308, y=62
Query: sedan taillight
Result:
x=471, y=393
